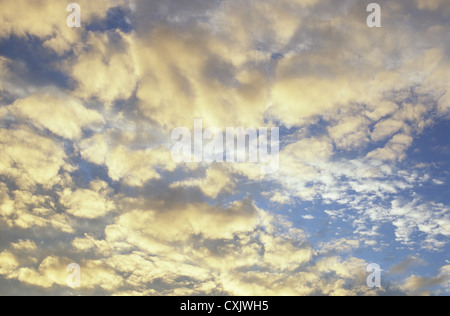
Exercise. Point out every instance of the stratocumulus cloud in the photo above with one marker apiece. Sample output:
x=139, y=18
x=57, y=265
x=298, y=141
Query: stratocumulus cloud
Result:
x=86, y=168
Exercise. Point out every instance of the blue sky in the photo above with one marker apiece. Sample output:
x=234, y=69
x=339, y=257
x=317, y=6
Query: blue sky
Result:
x=87, y=175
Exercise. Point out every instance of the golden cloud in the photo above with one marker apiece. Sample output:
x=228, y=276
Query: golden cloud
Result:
x=64, y=117
x=30, y=159
x=88, y=203
x=46, y=19
x=216, y=181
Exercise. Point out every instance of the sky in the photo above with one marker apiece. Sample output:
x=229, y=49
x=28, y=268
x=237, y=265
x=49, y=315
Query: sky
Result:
x=86, y=168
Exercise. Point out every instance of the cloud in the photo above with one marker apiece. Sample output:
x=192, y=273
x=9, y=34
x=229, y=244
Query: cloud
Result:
x=25, y=245
x=203, y=79
x=252, y=262
x=279, y=197
x=31, y=159
x=406, y=264
x=331, y=276
x=89, y=203
x=47, y=20
x=52, y=271
x=394, y=150
x=215, y=182
x=105, y=70
x=88, y=243
x=136, y=167
x=150, y=228
x=25, y=210
x=385, y=129
x=64, y=117
x=8, y=262
x=433, y=5
x=416, y=285
x=94, y=149
x=340, y=246
x=300, y=165
x=350, y=133
x=377, y=111
x=430, y=219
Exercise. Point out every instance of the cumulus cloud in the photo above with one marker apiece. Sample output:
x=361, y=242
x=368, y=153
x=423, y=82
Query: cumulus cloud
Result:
x=64, y=117
x=215, y=182
x=26, y=210
x=417, y=285
x=152, y=227
x=106, y=70
x=136, y=167
x=8, y=263
x=25, y=245
x=31, y=159
x=46, y=19
x=88, y=203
